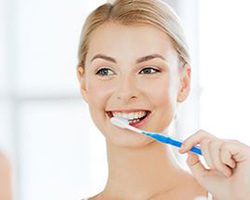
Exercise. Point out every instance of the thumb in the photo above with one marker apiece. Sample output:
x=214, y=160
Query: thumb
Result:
x=196, y=167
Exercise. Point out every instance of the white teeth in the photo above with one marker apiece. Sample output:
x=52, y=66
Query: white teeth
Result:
x=136, y=115
x=117, y=114
x=130, y=116
x=124, y=115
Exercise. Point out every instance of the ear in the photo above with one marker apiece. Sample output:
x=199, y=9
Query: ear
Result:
x=82, y=82
x=185, y=82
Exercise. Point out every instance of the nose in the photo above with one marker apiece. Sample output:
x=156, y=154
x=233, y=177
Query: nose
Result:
x=127, y=89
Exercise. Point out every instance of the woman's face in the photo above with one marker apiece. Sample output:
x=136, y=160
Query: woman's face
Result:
x=133, y=72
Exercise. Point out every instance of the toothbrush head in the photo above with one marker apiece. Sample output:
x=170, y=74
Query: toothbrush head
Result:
x=124, y=123
x=120, y=122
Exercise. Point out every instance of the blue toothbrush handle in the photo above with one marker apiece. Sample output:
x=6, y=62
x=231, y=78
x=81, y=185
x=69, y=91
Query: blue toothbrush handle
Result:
x=178, y=144
x=168, y=140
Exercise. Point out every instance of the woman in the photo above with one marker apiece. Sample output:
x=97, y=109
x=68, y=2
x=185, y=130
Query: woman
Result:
x=5, y=185
x=134, y=63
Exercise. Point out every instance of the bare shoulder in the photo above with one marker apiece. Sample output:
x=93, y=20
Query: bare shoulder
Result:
x=96, y=197
x=4, y=165
x=3, y=160
x=5, y=180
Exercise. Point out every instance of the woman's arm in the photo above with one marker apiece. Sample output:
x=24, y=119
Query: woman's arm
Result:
x=228, y=175
x=5, y=178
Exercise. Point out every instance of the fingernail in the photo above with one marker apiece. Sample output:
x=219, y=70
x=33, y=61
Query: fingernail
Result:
x=181, y=151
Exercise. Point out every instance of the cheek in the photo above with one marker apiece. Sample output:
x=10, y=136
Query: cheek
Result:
x=98, y=93
x=164, y=101
x=158, y=91
x=160, y=96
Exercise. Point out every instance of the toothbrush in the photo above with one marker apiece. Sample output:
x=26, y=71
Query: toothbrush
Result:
x=124, y=123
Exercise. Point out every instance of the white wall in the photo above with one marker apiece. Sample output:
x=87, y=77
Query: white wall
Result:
x=224, y=65
x=44, y=124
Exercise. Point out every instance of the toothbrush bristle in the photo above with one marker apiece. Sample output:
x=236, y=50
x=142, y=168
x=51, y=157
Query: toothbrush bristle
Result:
x=124, y=123
x=119, y=121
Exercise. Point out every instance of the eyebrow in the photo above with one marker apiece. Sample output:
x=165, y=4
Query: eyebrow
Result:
x=149, y=57
x=139, y=60
x=104, y=58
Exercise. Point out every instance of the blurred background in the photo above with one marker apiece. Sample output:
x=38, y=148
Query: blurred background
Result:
x=45, y=128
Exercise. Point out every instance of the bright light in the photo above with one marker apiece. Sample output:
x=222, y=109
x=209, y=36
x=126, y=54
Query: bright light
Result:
x=225, y=68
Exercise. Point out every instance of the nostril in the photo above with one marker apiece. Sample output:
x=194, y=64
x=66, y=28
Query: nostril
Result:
x=125, y=96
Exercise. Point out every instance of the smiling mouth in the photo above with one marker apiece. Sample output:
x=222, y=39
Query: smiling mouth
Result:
x=135, y=118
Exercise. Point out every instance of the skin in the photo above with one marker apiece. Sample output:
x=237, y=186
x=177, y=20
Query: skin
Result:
x=228, y=175
x=140, y=168
x=125, y=88
x=5, y=184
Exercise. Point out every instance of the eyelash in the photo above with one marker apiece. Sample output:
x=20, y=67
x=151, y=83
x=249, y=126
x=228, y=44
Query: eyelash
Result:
x=101, y=70
x=150, y=68
x=146, y=68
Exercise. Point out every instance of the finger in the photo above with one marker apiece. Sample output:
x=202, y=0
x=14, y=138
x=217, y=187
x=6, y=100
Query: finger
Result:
x=196, y=167
x=215, y=155
x=204, y=146
x=227, y=159
x=194, y=140
x=237, y=151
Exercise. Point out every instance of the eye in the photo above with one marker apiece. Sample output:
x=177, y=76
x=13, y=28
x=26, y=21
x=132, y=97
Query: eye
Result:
x=149, y=70
x=105, y=72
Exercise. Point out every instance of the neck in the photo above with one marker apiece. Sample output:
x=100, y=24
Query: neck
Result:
x=144, y=171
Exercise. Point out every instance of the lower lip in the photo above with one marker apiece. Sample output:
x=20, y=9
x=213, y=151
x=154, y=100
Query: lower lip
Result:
x=142, y=122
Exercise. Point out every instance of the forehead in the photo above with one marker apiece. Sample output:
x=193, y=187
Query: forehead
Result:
x=130, y=40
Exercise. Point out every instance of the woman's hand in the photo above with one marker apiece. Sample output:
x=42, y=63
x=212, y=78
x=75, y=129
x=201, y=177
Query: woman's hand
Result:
x=228, y=174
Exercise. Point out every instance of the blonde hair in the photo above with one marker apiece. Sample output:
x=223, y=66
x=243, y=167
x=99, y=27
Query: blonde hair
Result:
x=130, y=12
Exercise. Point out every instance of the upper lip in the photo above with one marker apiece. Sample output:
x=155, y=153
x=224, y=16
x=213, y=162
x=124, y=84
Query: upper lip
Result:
x=127, y=110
